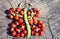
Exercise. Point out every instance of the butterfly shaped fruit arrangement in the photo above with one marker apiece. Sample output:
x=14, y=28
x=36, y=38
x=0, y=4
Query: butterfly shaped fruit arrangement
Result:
x=25, y=22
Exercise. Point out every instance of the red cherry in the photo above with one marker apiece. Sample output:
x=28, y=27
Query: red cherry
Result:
x=13, y=25
x=38, y=12
x=43, y=25
x=35, y=21
x=41, y=33
x=16, y=17
x=22, y=34
x=28, y=13
x=21, y=13
x=21, y=28
x=18, y=30
x=42, y=28
x=39, y=26
x=36, y=15
x=36, y=34
x=17, y=35
x=35, y=9
x=18, y=9
x=13, y=33
x=30, y=21
x=32, y=32
x=16, y=22
x=34, y=18
x=36, y=29
x=11, y=29
x=11, y=16
x=13, y=9
x=10, y=12
x=25, y=31
x=39, y=22
x=20, y=20
x=31, y=10
x=33, y=27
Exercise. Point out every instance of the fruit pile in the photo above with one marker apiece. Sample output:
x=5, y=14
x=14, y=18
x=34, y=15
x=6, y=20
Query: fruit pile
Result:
x=18, y=26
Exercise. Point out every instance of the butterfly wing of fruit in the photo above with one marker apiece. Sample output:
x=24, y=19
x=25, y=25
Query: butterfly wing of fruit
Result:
x=27, y=24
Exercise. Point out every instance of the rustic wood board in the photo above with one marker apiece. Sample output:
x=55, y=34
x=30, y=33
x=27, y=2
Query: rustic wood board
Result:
x=50, y=15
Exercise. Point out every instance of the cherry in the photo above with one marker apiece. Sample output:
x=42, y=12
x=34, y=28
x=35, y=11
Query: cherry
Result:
x=18, y=30
x=13, y=9
x=17, y=35
x=11, y=29
x=40, y=22
x=22, y=34
x=13, y=25
x=32, y=32
x=35, y=21
x=36, y=34
x=25, y=31
x=21, y=13
x=20, y=20
x=41, y=33
x=16, y=17
x=30, y=21
x=28, y=13
x=10, y=12
x=16, y=22
x=11, y=16
x=13, y=33
x=18, y=9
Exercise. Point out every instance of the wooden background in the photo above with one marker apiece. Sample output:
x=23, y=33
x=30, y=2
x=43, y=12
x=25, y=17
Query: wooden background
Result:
x=50, y=15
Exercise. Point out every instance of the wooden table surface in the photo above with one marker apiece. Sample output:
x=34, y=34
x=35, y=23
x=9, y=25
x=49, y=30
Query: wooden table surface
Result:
x=50, y=15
